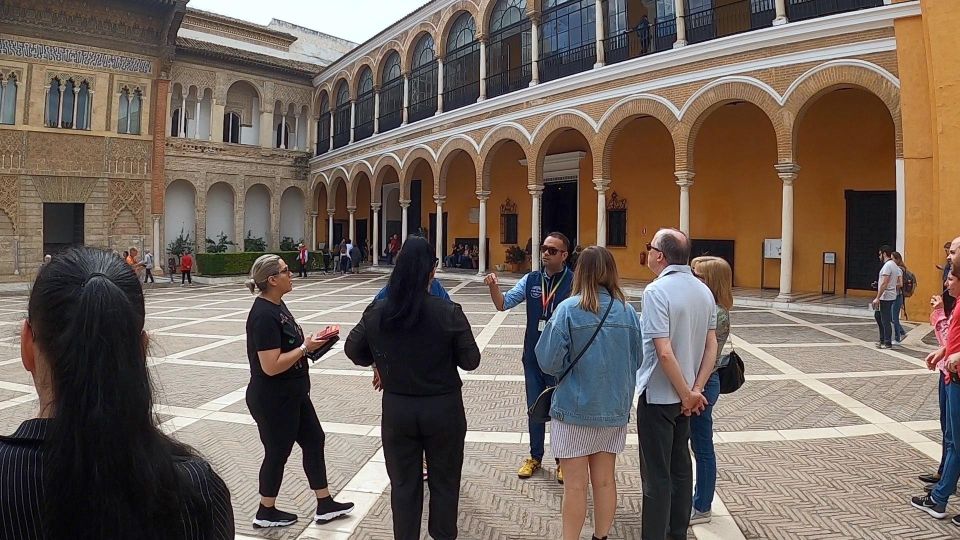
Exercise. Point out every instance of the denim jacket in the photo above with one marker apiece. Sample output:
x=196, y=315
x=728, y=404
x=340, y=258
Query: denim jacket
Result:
x=598, y=391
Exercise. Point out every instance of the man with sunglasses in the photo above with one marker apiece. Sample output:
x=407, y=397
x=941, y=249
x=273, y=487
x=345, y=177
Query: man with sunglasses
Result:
x=543, y=291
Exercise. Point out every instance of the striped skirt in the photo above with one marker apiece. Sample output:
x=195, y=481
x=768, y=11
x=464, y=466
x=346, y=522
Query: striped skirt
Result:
x=571, y=441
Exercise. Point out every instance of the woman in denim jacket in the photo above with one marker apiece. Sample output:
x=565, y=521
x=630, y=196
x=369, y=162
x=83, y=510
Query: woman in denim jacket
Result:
x=591, y=406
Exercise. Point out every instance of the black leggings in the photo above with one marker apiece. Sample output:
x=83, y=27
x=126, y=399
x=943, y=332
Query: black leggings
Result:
x=284, y=415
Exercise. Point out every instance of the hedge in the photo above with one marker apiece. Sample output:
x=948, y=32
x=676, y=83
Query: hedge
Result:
x=239, y=264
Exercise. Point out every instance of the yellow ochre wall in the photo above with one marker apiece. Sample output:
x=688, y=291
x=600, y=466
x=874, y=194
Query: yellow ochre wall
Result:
x=461, y=198
x=846, y=142
x=736, y=193
x=929, y=65
x=642, y=172
x=508, y=178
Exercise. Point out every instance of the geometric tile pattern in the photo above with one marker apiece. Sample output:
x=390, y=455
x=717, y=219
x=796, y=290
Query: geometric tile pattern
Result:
x=820, y=442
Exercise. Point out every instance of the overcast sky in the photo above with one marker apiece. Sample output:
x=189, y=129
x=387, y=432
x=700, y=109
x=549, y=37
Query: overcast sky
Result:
x=354, y=20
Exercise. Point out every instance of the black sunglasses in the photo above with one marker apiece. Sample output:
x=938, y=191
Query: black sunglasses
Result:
x=651, y=247
x=550, y=250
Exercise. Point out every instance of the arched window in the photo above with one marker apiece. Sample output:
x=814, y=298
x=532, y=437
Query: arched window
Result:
x=231, y=127
x=283, y=135
x=82, y=120
x=509, y=60
x=68, y=104
x=568, y=38
x=365, y=105
x=423, y=80
x=391, y=93
x=128, y=119
x=461, y=68
x=341, y=120
x=53, y=103
x=323, y=126
x=8, y=99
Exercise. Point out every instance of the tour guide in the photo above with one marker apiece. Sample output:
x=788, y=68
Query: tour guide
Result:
x=543, y=291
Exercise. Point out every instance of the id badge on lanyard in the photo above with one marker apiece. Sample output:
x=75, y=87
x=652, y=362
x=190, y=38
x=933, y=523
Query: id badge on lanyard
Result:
x=547, y=299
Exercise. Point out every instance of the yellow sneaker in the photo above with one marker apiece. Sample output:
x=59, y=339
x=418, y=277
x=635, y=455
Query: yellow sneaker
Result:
x=559, y=475
x=529, y=467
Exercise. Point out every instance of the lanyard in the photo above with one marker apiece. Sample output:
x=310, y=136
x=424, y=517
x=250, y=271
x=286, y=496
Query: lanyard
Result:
x=547, y=298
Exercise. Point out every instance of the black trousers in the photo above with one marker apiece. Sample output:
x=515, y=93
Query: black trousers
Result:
x=284, y=415
x=303, y=269
x=884, y=319
x=185, y=277
x=148, y=274
x=665, y=470
x=411, y=427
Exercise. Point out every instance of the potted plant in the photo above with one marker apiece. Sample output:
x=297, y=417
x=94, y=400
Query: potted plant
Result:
x=515, y=258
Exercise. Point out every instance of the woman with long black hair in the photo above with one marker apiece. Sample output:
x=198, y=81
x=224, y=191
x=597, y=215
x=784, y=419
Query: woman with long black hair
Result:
x=93, y=464
x=417, y=342
x=278, y=395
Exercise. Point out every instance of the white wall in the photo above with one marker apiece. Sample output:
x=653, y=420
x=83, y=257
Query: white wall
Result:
x=205, y=119
x=220, y=212
x=251, y=135
x=179, y=212
x=292, y=214
x=256, y=213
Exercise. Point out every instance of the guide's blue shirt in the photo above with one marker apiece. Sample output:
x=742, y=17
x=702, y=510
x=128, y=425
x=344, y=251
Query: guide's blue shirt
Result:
x=530, y=288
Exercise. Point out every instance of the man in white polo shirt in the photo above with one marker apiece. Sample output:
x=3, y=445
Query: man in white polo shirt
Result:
x=678, y=324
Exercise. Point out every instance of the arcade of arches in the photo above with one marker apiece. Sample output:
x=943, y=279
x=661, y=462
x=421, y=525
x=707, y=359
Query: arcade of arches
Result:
x=724, y=175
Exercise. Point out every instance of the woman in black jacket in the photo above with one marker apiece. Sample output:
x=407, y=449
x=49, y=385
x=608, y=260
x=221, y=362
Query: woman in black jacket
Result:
x=417, y=342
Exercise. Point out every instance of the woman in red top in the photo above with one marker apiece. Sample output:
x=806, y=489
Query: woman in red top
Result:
x=946, y=359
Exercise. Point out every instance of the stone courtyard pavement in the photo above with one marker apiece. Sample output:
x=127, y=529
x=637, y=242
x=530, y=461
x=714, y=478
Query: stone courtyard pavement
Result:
x=824, y=440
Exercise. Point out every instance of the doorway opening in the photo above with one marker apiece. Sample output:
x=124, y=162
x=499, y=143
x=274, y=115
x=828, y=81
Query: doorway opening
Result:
x=559, y=212
x=871, y=223
x=62, y=226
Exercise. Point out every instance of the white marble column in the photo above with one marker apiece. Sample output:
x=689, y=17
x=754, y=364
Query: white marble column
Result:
x=157, y=254
x=375, y=210
x=353, y=121
x=296, y=132
x=128, y=112
x=440, y=86
x=601, y=22
x=404, y=205
x=482, y=196
x=330, y=138
x=439, y=226
x=196, y=120
x=535, y=56
x=352, y=210
x=601, y=184
x=313, y=230
x=781, y=17
x=535, y=236
x=680, y=10
x=376, y=110
x=483, y=68
x=330, y=231
x=76, y=98
x=60, y=108
x=283, y=131
x=788, y=174
x=685, y=181
x=406, y=97
x=182, y=132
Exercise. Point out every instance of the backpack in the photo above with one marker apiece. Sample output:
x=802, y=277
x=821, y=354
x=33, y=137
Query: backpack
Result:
x=909, y=283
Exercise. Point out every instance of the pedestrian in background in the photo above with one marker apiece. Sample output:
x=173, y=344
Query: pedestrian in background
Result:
x=148, y=266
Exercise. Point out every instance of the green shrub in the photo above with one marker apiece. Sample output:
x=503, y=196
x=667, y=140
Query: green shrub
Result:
x=289, y=244
x=220, y=245
x=239, y=264
x=256, y=245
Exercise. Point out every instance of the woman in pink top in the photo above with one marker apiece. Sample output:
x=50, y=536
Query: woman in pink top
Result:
x=946, y=360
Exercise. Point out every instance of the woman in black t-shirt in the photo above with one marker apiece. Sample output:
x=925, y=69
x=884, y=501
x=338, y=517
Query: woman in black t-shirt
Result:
x=278, y=395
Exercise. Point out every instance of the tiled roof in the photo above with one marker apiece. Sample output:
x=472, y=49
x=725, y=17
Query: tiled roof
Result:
x=213, y=50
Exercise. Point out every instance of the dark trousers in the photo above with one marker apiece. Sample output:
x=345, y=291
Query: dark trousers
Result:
x=665, y=470
x=148, y=274
x=285, y=415
x=411, y=427
x=535, y=382
x=942, y=398
x=185, y=277
x=303, y=269
x=884, y=318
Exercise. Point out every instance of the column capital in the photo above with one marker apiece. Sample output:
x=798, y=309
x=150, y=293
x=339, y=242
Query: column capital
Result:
x=483, y=195
x=405, y=203
x=314, y=214
x=331, y=214
x=351, y=209
x=535, y=191
x=601, y=184
x=375, y=206
x=684, y=178
x=439, y=199
x=787, y=172
x=482, y=38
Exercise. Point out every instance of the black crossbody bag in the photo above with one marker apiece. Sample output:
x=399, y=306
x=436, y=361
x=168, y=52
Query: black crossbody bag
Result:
x=539, y=412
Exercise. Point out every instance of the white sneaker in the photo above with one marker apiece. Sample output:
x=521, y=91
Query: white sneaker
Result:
x=696, y=518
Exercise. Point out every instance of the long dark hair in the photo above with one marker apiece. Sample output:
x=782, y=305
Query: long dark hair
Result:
x=108, y=470
x=407, y=288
